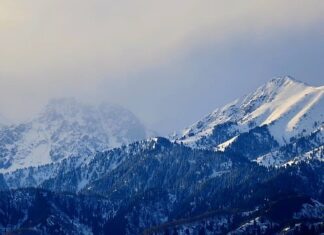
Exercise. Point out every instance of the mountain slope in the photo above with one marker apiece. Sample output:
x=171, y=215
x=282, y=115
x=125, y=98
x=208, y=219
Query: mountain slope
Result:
x=305, y=148
x=35, y=211
x=150, y=183
x=74, y=174
x=67, y=128
x=269, y=219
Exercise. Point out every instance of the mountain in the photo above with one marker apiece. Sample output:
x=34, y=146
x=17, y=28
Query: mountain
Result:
x=223, y=176
x=273, y=116
x=67, y=128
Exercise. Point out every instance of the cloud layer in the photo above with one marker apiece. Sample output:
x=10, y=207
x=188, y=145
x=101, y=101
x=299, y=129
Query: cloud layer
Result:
x=53, y=48
x=41, y=35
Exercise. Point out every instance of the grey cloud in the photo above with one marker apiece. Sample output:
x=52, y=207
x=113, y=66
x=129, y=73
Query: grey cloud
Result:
x=90, y=49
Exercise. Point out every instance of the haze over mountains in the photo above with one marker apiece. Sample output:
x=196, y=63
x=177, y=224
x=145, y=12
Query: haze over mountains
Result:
x=67, y=128
x=95, y=178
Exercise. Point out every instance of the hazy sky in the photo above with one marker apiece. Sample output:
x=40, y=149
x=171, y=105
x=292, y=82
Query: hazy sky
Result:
x=170, y=62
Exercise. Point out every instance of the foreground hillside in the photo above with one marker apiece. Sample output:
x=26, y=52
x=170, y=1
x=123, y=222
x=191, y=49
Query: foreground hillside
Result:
x=157, y=186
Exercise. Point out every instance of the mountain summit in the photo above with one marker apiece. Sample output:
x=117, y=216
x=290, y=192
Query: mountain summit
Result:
x=286, y=108
x=67, y=128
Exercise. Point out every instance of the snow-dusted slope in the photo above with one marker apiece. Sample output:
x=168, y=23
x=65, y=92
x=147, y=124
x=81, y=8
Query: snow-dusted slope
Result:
x=304, y=149
x=289, y=108
x=67, y=128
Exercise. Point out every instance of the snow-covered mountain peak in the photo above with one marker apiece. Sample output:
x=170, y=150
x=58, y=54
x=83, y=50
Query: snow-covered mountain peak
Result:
x=284, y=80
x=276, y=87
x=64, y=128
x=290, y=108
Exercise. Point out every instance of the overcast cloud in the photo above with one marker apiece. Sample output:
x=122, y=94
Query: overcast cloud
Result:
x=168, y=61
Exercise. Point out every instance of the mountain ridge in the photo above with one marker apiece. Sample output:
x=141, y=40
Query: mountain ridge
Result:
x=287, y=107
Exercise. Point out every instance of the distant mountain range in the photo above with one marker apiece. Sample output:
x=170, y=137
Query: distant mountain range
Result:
x=255, y=166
